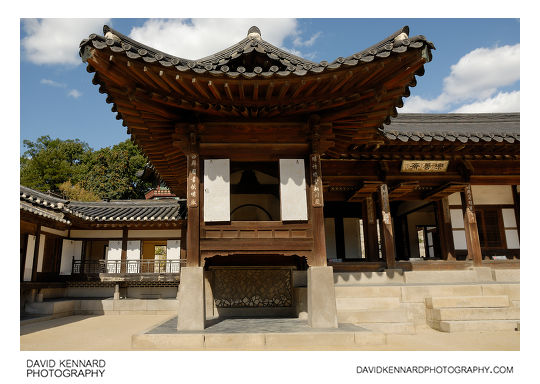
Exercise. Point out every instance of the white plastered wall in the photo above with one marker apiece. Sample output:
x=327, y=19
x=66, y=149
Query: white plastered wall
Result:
x=41, y=252
x=133, y=254
x=173, y=253
x=292, y=180
x=217, y=190
x=29, y=260
x=71, y=249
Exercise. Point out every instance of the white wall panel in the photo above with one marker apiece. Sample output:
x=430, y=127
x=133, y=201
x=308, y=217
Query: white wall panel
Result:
x=66, y=260
x=71, y=249
x=509, y=217
x=114, y=253
x=454, y=199
x=492, y=194
x=292, y=177
x=459, y=239
x=456, y=218
x=133, y=254
x=29, y=258
x=217, y=190
x=512, y=238
x=173, y=253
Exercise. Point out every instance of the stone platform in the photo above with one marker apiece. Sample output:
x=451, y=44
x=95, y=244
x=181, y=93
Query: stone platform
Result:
x=255, y=334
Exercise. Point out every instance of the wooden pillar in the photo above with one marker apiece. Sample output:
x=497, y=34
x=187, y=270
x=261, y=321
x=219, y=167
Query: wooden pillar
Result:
x=515, y=195
x=193, y=203
x=123, y=256
x=370, y=231
x=36, y=253
x=445, y=230
x=317, y=215
x=316, y=196
x=24, y=247
x=471, y=228
x=183, y=249
x=387, y=230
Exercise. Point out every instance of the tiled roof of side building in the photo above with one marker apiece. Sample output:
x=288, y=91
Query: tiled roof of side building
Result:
x=464, y=127
x=228, y=61
x=121, y=210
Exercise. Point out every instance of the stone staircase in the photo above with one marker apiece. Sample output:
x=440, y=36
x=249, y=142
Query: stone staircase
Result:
x=376, y=308
x=472, y=313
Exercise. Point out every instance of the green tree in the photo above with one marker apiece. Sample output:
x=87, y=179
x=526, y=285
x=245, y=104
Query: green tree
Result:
x=47, y=163
x=111, y=172
x=77, y=192
x=81, y=173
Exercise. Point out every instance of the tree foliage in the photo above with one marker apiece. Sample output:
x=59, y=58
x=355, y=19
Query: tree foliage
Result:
x=77, y=192
x=72, y=167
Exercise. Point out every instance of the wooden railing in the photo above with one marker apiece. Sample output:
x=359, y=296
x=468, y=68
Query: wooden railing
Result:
x=127, y=266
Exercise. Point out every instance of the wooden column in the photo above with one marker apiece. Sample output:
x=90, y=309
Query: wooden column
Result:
x=386, y=225
x=36, y=253
x=193, y=203
x=515, y=195
x=24, y=247
x=317, y=199
x=183, y=239
x=123, y=255
x=471, y=228
x=370, y=231
x=445, y=230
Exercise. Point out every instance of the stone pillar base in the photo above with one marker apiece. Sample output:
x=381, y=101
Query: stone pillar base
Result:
x=39, y=297
x=116, y=292
x=191, y=310
x=321, y=295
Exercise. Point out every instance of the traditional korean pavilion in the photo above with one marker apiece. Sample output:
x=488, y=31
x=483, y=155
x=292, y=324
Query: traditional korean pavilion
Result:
x=285, y=165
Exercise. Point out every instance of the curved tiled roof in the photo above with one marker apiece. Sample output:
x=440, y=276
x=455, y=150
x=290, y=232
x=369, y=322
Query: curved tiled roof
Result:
x=130, y=210
x=221, y=63
x=55, y=208
x=465, y=127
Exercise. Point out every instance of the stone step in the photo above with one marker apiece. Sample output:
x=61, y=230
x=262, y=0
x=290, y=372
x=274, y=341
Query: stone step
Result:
x=475, y=325
x=467, y=302
x=406, y=328
x=368, y=291
x=474, y=314
x=360, y=278
x=373, y=316
x=355, y=303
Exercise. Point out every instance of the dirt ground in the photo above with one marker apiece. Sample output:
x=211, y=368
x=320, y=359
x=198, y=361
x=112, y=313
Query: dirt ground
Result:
x=113, y=333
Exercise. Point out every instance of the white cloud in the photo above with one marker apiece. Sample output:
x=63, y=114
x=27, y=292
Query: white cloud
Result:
x=306, y=43
x=74, y=93
x=502, y=102
x=52, y=83
x=474, y=79
x=56, y=41
x=197, y=38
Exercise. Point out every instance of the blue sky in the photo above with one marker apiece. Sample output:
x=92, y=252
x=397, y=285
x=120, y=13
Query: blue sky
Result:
x=475, y=66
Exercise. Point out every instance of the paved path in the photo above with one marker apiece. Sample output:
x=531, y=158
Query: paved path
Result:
x=114, y=332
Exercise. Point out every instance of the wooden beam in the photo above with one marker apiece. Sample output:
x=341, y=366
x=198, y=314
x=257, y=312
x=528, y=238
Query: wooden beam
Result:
x=199, y=87
x=366, y=189
x=228, y=91
x=269, y=90
x=193, y=203
x=214, y=90
x=255, y=91
x=403, y=189
x=444, y=190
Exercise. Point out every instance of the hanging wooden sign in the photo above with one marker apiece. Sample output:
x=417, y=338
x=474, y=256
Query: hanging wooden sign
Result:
x=424, y=166
x=193, y=180
x=316, y=181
